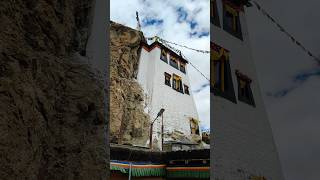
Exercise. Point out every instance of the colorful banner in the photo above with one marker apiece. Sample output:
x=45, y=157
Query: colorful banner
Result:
x=190, y=172
x=138, y=169
x=145, y=169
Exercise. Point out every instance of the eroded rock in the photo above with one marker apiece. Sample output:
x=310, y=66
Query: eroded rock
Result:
x=128, y=122
x=51, y=106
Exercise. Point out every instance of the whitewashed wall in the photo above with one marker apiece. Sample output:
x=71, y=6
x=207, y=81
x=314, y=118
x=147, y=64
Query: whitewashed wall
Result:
x=243, y=142
x=179, y=108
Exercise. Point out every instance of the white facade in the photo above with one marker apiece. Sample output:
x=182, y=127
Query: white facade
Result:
x=243, y=142
x=179, y=107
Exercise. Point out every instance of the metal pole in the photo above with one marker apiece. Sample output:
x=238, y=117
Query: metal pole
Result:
x=162, y=133
x=138, y=21
x=130, y=171
x=150, y=143
x=151, y=126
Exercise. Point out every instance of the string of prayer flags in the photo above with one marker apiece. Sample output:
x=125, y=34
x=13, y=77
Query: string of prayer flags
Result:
x=265, y=13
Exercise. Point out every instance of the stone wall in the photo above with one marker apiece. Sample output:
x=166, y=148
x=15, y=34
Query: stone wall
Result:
x=128, y=122
x=52, y=121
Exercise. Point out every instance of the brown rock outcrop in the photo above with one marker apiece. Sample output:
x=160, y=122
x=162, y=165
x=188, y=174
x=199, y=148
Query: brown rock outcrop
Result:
x=51, y=106
x=128, y=122
x=206, y=137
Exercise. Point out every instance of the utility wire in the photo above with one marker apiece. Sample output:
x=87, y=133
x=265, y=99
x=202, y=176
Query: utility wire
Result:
x=165, y=42
x=197, y=50
x=186, y=58
x=265, y=13
x=169, y=42
x=197, y=70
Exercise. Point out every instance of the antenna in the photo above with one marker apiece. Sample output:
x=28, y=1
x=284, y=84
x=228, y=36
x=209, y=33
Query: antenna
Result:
x=138, y=21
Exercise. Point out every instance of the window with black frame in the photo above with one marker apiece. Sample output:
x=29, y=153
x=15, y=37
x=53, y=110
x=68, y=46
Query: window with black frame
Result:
x=217, y=78
x=163, y=56
x=167, y=78
x=257, y=178
x=174, y=62
x=186, y=89
x=244, y=89
x=220, y=73
x=214, y=15
x=182, y=67
x=231, y=20
x=177, y=83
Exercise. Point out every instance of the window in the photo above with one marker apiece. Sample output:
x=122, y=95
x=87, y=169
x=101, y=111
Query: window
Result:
x=177, y=83
x=257, y=178
x=183, y=67
x=194, y=126
x=163, y=56
x=231, y=20
x=217, y=74
x=174, y=62
x=244, y=90
x=186, y=89
x=167, y=78
x=214, y=15
x=220, y=73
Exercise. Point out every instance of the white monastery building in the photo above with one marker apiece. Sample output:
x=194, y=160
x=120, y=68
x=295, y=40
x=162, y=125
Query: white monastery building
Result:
x=244, y=147
x=163, y=76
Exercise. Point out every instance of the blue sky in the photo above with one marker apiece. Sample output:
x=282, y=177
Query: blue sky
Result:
x=185, y=22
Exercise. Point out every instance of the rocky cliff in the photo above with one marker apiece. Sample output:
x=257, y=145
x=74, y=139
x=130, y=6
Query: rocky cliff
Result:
x=51, y=102
x=128, y=122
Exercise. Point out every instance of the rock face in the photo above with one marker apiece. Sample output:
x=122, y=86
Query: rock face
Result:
x=206, y=137
x=128, y=122
x=51, y=104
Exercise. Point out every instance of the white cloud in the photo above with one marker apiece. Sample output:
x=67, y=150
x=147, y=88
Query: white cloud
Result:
x=123, y=12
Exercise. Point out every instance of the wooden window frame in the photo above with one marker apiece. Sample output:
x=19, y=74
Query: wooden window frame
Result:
x=167, y=75
x=214, y=13
x=221, y=85
x=183, y=67
x=258, y=178
x=177, y=83
x=186, y=89
x=235, y=30
x=244, y=89
x=174, y=59
x=164, y=55
x=225, y=89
